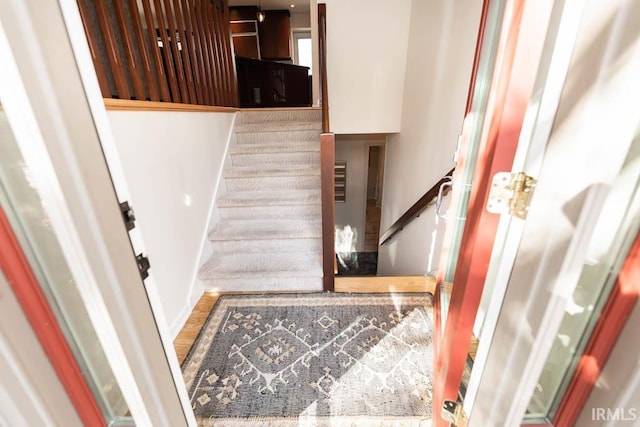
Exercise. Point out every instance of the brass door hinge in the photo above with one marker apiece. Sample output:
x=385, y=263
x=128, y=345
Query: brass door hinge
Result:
x=511, y=194
x=453, y=413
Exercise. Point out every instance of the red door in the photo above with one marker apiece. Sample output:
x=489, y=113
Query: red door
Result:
x=490, y=137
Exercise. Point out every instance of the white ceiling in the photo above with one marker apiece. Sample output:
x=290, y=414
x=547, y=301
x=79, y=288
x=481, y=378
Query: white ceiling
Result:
x=300, y=5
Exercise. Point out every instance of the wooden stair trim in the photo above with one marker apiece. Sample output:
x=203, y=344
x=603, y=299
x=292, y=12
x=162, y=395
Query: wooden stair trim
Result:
x=385, y=284
x=253, y=109
x=114, y=104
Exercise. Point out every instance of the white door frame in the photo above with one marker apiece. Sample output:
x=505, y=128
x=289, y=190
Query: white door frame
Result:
x=588, y=139
x=53, y=103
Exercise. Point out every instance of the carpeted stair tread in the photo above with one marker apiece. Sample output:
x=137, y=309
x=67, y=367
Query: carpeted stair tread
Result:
x=263, y=229
x=277, y=126
x=310, y=211
x=271, y=171
x=279, y=116
x=262, y=265
x=281, y=136
x=270, y=198
x=280, y=147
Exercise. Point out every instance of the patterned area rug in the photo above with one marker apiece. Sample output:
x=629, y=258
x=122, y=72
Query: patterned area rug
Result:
x=314, y=360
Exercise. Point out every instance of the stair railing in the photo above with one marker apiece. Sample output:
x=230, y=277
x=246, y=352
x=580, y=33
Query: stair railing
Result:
x=322, y=56
x=427, y=199
x=327, y=163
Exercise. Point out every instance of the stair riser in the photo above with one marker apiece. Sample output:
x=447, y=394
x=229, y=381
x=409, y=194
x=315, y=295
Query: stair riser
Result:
x=271, y=212
x=304, y=284
x=273, y=183
x=272, y=245
x=286, y=136
x=277, y=127
x=297, y=158
x=279, y=116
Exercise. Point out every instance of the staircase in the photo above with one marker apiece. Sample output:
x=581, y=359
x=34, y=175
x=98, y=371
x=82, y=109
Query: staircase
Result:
x=269, y=234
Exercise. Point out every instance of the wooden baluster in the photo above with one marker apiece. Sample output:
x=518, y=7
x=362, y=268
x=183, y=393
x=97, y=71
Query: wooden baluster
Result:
x=231, y=59
x=177, y=55
x=152, y=83
x=134, y=73
x=190, y=7
x=189, y=61
x=97, y=59
x=163, y=79
x=221, y=55
x=117, y=68
x=223, y=30
x=207, y=25
x=322, y=38
x=169, y=62
x=217, y=39
x=198, y=11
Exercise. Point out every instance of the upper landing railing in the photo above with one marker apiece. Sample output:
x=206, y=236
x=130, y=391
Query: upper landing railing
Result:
x=327, y=162
x=162, y=50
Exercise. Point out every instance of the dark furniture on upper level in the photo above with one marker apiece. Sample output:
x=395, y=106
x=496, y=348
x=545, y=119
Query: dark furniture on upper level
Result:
x=272, y=84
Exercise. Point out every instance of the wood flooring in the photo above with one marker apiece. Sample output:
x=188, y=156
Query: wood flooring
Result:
x=191, y=328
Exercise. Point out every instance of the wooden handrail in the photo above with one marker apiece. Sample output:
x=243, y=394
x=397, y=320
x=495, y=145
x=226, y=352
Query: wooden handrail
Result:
x=416, y=209
x=322, y=40
x=327, y=169
x=113, y=104
x=175, y=51
x=327, y=164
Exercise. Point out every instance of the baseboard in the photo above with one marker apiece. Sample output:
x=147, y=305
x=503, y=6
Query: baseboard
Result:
x=178, y=323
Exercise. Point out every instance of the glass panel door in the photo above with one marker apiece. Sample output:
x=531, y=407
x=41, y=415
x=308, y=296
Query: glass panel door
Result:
x=30, y=222
x=467, y=155
x=512, y=51
x=612, y=238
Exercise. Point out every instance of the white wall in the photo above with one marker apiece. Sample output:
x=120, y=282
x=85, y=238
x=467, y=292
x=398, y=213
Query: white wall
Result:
x=172, y=162
x=300, y=20
x=366, y=59
x=442, y=42
x=354, y=149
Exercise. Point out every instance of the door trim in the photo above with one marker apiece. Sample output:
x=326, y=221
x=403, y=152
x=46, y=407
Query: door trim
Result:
x=26, y=288
x=455, y=189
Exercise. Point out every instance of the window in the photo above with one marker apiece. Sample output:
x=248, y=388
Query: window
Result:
x=302, y=49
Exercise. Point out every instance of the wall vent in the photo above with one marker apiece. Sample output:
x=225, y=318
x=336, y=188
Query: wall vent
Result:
x=340, y=181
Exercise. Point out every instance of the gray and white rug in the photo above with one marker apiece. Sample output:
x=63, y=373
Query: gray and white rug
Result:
x=314, y=359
